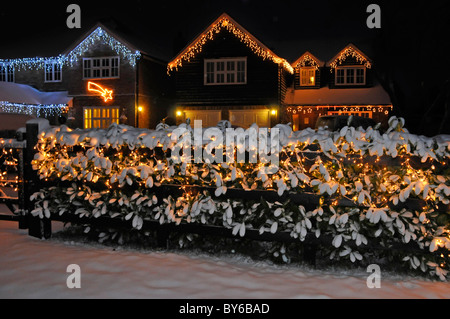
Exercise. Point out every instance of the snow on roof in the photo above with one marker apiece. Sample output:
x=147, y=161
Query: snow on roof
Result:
x=25, y=94
x=375, y=95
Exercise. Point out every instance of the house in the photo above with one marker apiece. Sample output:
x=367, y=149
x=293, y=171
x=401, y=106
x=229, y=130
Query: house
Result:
x=345, y=85
x=108, y=78
x=226, y=73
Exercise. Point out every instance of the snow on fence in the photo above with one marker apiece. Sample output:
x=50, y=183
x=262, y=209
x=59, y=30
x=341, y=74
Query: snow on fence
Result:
x=349, y=193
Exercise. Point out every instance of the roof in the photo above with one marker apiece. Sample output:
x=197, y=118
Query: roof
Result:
x=25, y=94
x=375, y=95
x=307, y=56
x=350, y=50
x=224, y=21
x=119, y=37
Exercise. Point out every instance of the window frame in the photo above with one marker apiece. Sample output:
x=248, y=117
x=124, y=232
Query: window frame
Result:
x=228, y=73
x=53, y=72
x=308, y=70
x=346, y=70
x=7, y=72
x=92, y=65
x=89, y=116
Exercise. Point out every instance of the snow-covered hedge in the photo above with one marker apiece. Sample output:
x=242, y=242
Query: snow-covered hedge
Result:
x=115, y=172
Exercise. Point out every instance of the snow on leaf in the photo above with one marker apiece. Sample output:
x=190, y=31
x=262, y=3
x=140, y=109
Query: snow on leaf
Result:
x=242, y=230
x=273, y=228
x=337, y=240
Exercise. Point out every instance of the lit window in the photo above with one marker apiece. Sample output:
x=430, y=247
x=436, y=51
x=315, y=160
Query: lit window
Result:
x=100, y=117
x=6, y=72
x=350, y=76
x=53, y=72
x=104, y=67
x=225, y=71
x=307, y=76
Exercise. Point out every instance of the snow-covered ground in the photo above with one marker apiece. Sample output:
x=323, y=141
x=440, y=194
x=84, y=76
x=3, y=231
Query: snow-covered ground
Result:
x=34, y=268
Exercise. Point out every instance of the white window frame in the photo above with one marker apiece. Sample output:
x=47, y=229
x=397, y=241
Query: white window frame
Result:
x=346, y=69
x=51, y=69
x=228, y=74
x=307, y=81
x=101, y=65
x=7, y=72
x=91, y=121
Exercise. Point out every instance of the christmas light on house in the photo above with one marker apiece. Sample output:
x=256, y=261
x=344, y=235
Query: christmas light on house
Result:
x=71, y=58
x=225, y=22
x=33, y=109
x=350, y=51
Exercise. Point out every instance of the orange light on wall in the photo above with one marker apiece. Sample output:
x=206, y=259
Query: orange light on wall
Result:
x=105, y=93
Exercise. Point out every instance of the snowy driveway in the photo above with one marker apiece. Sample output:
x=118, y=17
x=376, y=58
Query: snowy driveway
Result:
x=33, y=268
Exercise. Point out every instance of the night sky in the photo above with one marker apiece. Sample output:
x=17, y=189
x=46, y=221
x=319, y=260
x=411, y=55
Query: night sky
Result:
x=408, y=50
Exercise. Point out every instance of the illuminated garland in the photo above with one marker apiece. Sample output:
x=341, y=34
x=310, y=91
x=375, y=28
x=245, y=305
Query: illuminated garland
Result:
x=37, y=63
x=101, y=35
x=342, y=108
x=72, y=57
x=250, y=42
x=33, y=109
x=350, y=51
x=307, y=59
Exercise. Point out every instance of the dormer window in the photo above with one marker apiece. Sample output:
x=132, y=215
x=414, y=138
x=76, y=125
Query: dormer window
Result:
x=350, y=75
x=307, y=76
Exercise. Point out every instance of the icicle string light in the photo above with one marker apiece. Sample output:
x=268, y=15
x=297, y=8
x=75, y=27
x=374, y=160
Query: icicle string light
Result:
x=101, y=35
x=72, y=57
x=350, y=52
x=226, y=23
x=33, y=109
x=306, y=60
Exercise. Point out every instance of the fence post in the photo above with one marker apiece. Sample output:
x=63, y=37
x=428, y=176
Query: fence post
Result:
x=37, y=227
x=23, y=221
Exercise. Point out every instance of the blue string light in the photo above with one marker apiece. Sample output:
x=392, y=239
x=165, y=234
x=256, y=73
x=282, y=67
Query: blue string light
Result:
x=33, y=109
x=72, y=57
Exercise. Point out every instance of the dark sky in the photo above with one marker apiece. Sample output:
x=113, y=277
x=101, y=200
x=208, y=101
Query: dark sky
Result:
x=408, y=51
x=288, y=27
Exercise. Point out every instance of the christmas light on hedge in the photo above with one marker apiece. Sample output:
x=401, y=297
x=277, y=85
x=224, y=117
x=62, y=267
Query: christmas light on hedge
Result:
x=105, y=93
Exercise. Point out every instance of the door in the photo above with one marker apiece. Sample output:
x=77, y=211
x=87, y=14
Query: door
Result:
x=208, y=117
x=245, y=118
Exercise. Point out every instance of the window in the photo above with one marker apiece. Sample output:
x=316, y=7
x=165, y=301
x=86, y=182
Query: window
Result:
x=105, y=67
x=100, y=117
x=53, y=72
x=225, y=71
x=350, y=76
x=307, y=76
x=6, y=72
